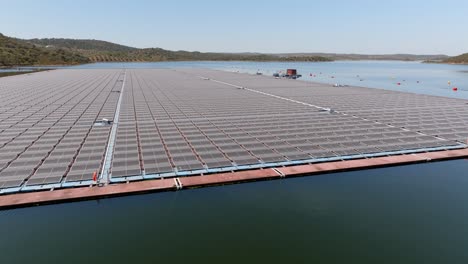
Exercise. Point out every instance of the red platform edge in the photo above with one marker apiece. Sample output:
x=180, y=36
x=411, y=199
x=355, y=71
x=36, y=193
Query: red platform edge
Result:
x=172, y=184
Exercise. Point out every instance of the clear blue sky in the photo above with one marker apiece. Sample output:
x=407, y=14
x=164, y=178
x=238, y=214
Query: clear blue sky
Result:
x=356, y=26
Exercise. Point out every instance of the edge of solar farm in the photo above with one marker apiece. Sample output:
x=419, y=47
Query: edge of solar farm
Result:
x=246, y=168
x=94, y=191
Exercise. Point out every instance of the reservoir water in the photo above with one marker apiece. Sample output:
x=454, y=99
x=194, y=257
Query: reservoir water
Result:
x=414, y=77
x=406, y=214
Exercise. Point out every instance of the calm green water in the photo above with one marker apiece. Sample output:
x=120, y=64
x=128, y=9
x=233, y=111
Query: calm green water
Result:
x=410, y=214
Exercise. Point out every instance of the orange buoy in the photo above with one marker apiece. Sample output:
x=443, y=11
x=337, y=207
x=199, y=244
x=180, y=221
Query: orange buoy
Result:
x=455, y=89
x=94, y=176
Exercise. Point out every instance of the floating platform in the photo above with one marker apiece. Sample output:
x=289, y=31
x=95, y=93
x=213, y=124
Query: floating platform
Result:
x=158, y=129
x=174, y=184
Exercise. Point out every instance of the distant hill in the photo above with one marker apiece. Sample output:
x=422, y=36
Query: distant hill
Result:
x=14, y=52
x=81, y=44
x=400, y=57
x=461, y=59
x=103, y=51
x=60, y=51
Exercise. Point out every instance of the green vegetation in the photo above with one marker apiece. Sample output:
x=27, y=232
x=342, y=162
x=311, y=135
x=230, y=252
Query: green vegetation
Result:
x=81, y=44
x=14, y=52
x=102, y=51
x=59, y=51
x=462, y=59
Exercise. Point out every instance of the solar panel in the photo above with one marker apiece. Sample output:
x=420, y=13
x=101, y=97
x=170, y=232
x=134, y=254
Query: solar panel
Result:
x=188, y=123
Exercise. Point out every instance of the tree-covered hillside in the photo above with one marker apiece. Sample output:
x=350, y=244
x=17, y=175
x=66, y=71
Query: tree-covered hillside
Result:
x=14, y=52
x=103, y=51
x=462, y=59
x=81, y=44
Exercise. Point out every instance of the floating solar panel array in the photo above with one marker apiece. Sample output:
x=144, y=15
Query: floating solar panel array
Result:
x=199, y=121
x=47, y=132
x=183, y=122
x=436, y=116
x=432, y=115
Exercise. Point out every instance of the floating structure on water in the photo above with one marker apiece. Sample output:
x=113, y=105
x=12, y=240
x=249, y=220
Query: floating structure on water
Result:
x=290, y=74
x=194, y=127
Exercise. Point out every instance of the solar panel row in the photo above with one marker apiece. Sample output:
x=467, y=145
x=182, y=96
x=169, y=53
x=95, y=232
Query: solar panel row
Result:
x=182, y=122
x=47, y=132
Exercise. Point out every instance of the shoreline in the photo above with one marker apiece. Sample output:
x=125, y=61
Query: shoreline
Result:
x=279, y=61
x=446, y=63
x=21, y=72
